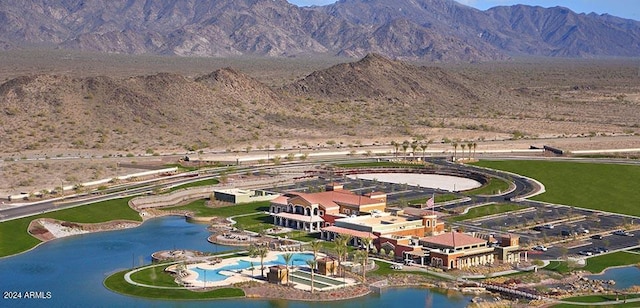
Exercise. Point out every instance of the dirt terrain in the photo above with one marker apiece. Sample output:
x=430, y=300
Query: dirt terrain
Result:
x=114, y=109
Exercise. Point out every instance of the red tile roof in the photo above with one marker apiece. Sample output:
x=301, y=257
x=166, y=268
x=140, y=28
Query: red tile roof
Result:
x=453, y=240
x=331, y=199
x=354, y=233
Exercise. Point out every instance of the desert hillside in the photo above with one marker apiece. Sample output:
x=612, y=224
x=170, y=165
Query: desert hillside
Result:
x=204, y=105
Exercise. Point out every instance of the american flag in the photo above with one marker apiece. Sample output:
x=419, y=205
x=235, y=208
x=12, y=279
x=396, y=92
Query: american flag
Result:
x=431, y=202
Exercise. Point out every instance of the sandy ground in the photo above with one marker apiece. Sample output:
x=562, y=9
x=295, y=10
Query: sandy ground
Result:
x=445, y=182
x=59, y=231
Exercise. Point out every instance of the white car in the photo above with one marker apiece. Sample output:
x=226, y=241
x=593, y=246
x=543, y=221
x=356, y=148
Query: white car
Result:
x=623, y=233
x=540, y=248
x=548, y=226
x=396, y=266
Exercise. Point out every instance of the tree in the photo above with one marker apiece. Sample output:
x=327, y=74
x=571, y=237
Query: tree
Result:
x=462, y=147
x=395, y=146
x=423, y=148
x=455, y=149
x=475, y=145
x=414, y=146
x=287, y=259
x=342, y=243
x=469, y=146
x=361, y=257
x=251, y=267
x=312, y=266
x=315, y=247
x=405, y=146
x=259, y=251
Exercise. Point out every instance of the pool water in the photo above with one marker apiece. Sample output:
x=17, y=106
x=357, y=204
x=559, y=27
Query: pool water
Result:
x=211, y=275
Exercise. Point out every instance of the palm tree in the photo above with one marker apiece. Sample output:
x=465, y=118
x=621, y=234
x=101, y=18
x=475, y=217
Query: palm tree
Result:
x=315, y=247
x=405, y=146
x=361, y=257
x=414, y=146
x=423, y=147
x=287, y=259
x=259, y=251
x=395, y=146
x=342, y=242
x=475, y=145
x=366, y=242
x=462, y=147
x=469, y=146
x=312, y=266
x=455, y=149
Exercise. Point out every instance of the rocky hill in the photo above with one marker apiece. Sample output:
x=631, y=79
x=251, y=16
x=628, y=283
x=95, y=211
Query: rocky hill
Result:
x=438, y=30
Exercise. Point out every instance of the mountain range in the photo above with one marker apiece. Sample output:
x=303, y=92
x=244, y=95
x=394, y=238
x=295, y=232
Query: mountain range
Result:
x=436, y=30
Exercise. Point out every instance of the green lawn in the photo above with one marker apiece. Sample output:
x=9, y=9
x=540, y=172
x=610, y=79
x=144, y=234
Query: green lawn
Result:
x=558, y=266
x=385, y=164
x=439, y=198
x=384, y=269
x=15, y=239
x=256, y=223
x=600, y=263
x=487, y=210
x=607, y=187
x=117, y=284
x=493, y=187
x=199, y=209
x=207, y=182
x=154, y=276
x=598, y=298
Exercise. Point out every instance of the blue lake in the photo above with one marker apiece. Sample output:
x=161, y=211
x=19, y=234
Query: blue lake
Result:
x=73, y=270
x=624, y=277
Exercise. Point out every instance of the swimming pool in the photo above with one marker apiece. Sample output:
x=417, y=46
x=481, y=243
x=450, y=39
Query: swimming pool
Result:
x=212, y=275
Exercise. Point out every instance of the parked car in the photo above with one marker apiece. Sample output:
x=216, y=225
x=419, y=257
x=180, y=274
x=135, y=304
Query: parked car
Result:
x=601, y=250
x=597, y=237
x=566, y=233
x=537, y=228
x=586, y=252
x=623, y=233
x=540, y=248
x=396, y=266
x=548, y=226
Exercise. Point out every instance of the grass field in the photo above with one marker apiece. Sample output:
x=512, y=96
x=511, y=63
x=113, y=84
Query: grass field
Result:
x=493, y=187
x=195, y=184
x=384, y=269
x=558, y=266
x=606, y=187
x=199, y=209
x=117, y=284
x=486, y=210
x=15, y=239
x=385, y=164
x=438, y=198
x=620, y=258
x=598, y=298
x=154, y=276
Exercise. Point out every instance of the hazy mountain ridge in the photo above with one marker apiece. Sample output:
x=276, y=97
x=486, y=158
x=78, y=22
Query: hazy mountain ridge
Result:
x=440, y=30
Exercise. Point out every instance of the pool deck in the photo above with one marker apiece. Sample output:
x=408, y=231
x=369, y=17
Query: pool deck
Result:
x=238, y=276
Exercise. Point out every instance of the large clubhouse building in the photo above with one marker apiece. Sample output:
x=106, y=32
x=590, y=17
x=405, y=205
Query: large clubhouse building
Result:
x=413, y=234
